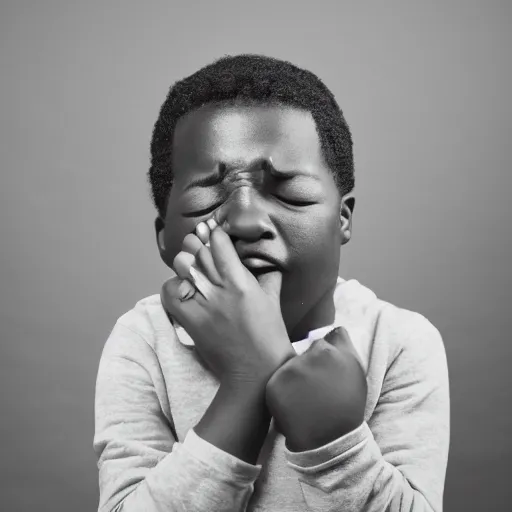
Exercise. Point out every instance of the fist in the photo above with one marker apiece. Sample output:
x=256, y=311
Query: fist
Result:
x=320, y=395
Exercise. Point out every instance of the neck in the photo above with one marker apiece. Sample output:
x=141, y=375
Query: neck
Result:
x=321, y=314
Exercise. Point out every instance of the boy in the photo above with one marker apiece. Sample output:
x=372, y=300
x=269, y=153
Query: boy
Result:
x=258, y=379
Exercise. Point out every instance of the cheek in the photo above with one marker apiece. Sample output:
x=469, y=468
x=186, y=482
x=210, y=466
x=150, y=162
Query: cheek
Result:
x=176, y=228
x=315, y=237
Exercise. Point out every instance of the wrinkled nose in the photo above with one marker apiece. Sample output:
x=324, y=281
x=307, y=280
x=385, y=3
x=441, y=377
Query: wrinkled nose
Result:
x=244, y=217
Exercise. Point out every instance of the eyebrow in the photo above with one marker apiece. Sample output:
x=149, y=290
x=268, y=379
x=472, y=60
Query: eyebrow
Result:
x=222, y=169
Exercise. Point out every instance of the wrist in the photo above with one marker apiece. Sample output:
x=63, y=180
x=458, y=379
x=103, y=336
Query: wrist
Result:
x=256, y=379
x=286, y=356
x=249, y=389
x=237, y=419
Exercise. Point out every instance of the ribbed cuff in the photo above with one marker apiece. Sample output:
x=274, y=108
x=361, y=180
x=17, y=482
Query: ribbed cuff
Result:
x=331, y=454
x=230, y=466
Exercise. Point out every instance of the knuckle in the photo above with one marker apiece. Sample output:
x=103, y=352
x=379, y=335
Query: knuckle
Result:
x=241, y=287
x=168, y=292
x=343, y=334
x=170, y=283
x=318, y=352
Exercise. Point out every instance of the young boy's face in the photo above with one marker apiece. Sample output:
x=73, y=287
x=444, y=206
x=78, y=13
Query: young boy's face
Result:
x=300, y=221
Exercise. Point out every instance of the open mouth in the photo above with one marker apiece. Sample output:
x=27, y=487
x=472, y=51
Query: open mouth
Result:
x=257, y=272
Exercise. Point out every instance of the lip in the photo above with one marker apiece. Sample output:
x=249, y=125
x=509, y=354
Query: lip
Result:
x=254, y=259
x=257, y=262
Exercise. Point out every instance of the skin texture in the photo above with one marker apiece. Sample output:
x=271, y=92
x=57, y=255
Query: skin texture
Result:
x=305, y=240
x=273, y=194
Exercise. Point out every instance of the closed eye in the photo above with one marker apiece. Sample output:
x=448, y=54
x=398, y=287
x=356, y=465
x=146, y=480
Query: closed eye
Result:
x=294, y=202
x=200, y=213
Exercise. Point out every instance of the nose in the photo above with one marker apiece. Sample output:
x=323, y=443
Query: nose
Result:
x=244, y=217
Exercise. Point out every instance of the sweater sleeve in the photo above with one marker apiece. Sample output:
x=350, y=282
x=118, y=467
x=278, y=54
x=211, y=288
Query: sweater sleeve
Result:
x=141, y=465
x=396, y=461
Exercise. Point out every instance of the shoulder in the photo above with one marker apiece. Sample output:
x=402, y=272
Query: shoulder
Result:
x=136, y=331
x=416, y=356
x=386, y=330
x=410, y=333
x=144, y=317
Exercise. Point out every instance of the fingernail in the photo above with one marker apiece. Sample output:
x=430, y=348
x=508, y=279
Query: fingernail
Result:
x=203, y=232
x=212, y=223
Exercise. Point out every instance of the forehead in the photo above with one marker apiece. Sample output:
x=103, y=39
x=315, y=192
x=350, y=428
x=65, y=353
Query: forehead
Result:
x=238, y=135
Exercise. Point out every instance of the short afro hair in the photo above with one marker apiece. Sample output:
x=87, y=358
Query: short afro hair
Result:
x=251, y=79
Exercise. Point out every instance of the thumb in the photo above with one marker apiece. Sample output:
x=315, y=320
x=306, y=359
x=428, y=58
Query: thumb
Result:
x=338, y=338
x=271, y=283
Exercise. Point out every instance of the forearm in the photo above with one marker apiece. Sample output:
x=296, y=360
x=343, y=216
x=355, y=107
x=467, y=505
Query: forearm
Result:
x=195, y=476
x=351, y=474
x=142, y=466
x=237, y=420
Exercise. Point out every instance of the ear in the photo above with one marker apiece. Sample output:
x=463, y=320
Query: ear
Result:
x=160, y=242
x=159, y=231
x=348, y=203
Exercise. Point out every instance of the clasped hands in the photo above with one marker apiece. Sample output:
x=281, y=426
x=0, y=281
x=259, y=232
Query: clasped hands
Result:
x=238, y=330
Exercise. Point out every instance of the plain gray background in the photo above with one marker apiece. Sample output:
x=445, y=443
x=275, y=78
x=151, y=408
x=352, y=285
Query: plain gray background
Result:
x=425, y=87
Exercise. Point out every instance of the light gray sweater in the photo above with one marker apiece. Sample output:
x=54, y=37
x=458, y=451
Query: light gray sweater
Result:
x=152, y=390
